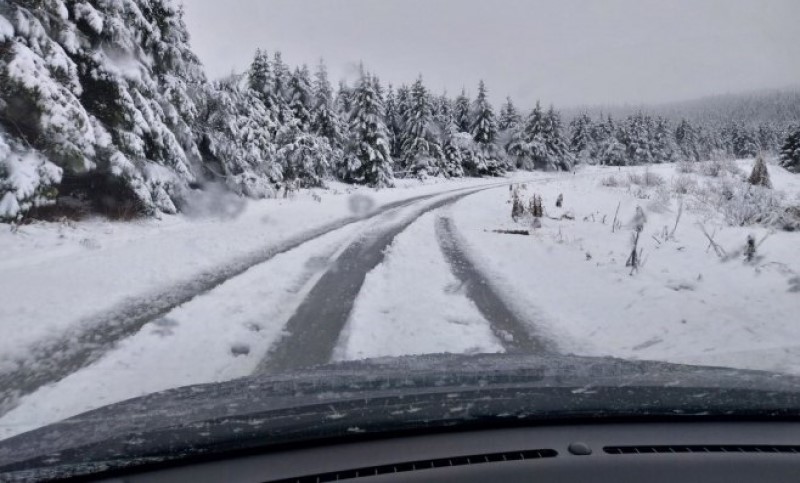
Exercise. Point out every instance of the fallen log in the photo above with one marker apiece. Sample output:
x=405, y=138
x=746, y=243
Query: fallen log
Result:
x=512, y=232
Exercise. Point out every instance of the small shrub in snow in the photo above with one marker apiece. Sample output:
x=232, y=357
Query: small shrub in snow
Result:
x=686, y=166
x=610, y=181
x=742, y=204
x=760, y=175
x=719, y=167
x=647, y=179
x=660, y=200
x=684, y=184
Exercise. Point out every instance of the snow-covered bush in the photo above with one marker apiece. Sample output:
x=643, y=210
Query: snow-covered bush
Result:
x=647, y=179
x=26, y=179
x=741, y=203
x=719, y=167
x=760, y=174
x=307, y=160
x=684, y=184
x=612, y=181
x=686, y=166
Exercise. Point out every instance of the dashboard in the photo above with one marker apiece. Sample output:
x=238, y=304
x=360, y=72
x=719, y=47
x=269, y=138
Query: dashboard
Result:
x=607, y=452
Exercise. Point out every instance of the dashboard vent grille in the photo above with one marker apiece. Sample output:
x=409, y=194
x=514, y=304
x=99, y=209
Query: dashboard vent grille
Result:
x=424, y=465
x=728, y=448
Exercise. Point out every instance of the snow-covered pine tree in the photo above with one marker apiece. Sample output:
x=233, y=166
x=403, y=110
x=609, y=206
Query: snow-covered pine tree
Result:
x=326, y=121
x=484, y=124
x=236, y=141
x=344, y=100
x=261, y=80
x=282, y=76
x=767, y=138
x=422, y=154
x=390, y=118
x=484, y=133
x=610, y=150
x=635, y=135
x=539, y=143
x=301, y=98
x=452, y=152
x=790, y=151
x=103, y=94
x=509, y=116
x=581, y=142
x=743, y=141
x=306, y=158
x=462, y=112
x=401, y=117
x=367, y=158
x=443, y=113
x=687, y=140
x=663, y=146
x=558, y=153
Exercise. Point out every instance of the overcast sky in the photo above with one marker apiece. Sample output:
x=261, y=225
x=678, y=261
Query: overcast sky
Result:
x=566, y=52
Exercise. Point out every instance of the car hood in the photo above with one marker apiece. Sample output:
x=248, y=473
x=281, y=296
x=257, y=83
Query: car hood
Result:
x=392, y=395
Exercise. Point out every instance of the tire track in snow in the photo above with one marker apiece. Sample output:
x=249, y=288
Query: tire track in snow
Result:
x=517, y=335
x=89, y=339
x=315, y=327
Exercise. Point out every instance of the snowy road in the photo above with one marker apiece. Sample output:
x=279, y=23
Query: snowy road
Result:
x=88, y=340
x=315, y=328
x=517, y=335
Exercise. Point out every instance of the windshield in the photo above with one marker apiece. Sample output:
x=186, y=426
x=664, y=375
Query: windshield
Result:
x=199, y=192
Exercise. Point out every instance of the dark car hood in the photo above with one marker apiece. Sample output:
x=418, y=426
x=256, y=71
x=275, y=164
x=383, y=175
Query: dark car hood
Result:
x=358, y=399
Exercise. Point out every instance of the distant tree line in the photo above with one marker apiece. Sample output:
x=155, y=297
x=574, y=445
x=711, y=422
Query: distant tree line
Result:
x=104, y=103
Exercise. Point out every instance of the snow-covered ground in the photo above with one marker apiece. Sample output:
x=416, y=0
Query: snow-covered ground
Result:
x=57, y=274
x=685, y=304
x=568, y=280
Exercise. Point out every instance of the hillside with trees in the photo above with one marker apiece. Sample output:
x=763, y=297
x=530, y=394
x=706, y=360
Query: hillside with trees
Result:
x=105, y=108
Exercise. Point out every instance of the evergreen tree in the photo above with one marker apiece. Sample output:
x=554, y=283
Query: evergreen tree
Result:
x=610, y=150
x=344, y=100
x=461, y=112
x=492, y=159
x=281, y=77
x=452, y=150
x=326, y=122
x=636, y=136
x=484, y=124
x=558, y=154
x=422, y=153
x=687, y=140
x=664, y=148
x=301, y=98
x=509, y=116
x=261, y=80
x=790, y=151
x=234, y=127
x=582, y=144
x=306, y=158
x=403, y=107
x=540, y=144
x=367, y=159
x=742, y=142
x=391, y=117
x=767, y=138
x=72, y=105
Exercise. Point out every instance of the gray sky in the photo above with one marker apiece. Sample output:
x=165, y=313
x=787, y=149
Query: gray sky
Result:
x=566, y=52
